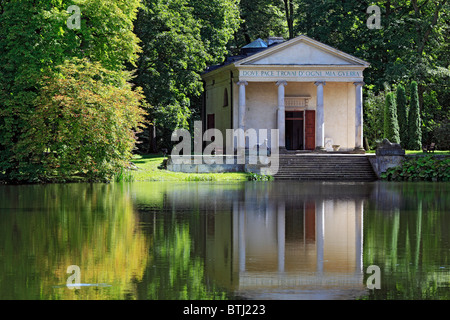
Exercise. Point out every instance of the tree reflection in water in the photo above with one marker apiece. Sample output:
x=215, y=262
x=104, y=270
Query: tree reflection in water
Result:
x=203, y=240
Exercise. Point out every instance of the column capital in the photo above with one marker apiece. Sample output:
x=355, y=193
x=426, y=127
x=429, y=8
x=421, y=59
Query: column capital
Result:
x=281, y=83
x=242, y=83
x=361, y=83
x=320, y=83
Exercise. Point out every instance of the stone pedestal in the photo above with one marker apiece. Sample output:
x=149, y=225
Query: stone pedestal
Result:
x=387, y=148
x=388, y=155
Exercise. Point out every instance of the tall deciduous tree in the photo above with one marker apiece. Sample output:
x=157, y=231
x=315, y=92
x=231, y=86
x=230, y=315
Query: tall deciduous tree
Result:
x=219, y=21
x=179, y=39
x=260, y=19
x=390, y=119
x=84, y=123
x=34, y=39
x=402, y=113
x=289, y=12
x=414, y=120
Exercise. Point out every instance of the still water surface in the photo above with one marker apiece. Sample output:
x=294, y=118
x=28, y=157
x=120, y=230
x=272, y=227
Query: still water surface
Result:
x=200, y=240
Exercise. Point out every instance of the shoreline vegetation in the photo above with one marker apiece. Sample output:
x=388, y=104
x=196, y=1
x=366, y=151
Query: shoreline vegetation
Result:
x=418, y=166
x=150, y=168
x=434, y=168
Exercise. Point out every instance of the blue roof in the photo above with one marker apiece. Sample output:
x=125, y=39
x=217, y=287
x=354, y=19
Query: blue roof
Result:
x=258, y=43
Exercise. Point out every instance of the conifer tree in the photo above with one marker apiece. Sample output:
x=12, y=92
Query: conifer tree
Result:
x=402, y=115
x=414, y=120
x=391, y=131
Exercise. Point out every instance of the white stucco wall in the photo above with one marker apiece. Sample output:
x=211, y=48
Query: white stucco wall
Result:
x=300, y=62
x=261, y=107
x=339, y=108
x=215, y=101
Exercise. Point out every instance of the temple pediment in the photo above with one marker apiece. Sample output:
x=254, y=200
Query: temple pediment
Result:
x=301, y=51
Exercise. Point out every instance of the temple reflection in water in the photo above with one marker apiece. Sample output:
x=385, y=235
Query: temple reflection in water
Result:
x=277, y=241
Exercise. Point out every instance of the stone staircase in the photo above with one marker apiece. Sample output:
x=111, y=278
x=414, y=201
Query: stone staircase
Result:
x=325, y=167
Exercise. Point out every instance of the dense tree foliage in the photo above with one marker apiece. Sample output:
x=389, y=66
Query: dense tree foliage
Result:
x=34, y=41
x=412, y=43
x=260, y=19
x=179, y=39
x=391, y=131
x=402, y=115
x=414, y=121
x=374, y=106
x=84, y=123
x=169, y=44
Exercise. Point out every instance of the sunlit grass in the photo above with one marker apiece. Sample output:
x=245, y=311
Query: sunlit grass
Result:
x=417, y=152
x=429, y=153
x=150, y=169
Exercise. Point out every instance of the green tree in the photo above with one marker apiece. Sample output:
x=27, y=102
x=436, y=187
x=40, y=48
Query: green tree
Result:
x=402, y=113
x=179, y=39
x=219, y=21
x=391, y=131
x=84, y=123
x=441, y=135
x=34, y=40
x=260, y=19
x=412, y=43
x=414, y=120
x=374, y=106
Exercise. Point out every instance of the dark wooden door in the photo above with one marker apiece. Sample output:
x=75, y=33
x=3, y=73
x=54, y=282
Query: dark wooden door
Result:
x=310, y=221
x=310, y=130
x=294, y=130
x=210, y=123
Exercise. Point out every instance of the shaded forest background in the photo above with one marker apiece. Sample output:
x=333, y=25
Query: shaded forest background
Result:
x=411, y=45
x=151, y=53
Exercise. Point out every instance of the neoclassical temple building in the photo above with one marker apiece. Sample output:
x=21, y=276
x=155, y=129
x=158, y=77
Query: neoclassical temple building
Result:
x=310, y=91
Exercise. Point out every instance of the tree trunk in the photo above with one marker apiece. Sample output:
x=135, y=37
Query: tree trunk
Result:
x=152, y=139
x=289, y=9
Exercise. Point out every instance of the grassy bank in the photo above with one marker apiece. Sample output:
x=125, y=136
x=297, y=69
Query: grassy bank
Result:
x=149, y=168
x=416, y=152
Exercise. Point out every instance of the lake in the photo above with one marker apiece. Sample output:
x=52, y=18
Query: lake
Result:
x=204, y=240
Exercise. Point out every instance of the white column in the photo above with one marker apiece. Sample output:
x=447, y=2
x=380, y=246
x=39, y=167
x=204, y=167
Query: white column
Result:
x=320, y=122
x=281, y=113
x=242, y=254
x=241, y=112
x=359, y=214
x=359, y=116
x=281, y=235
x=320, y=235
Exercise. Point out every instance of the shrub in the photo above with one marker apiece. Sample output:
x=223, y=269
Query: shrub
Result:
x=441, y=135
x=374, y=105
x=84, y=124
x=259, y=177
x=426, y=168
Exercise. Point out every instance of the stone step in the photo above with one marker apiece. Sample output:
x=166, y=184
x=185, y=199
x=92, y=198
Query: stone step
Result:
x=325, y=167
x=342, y=173
x=312, y=165
x=321, y=176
